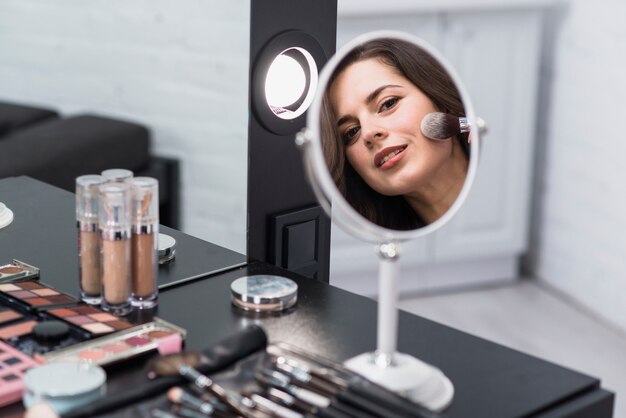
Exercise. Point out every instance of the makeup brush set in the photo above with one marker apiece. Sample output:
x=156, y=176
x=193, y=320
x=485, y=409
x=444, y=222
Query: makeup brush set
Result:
x=275, y=381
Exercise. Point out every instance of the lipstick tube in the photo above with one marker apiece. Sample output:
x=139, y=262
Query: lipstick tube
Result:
x=144, y=241
x=115, y=252
x=87, y=191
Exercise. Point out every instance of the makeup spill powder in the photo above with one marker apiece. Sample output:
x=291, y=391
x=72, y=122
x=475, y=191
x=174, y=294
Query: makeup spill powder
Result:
x=87, y=192
x=264, y=293
x=145, y=227
x=114, y=224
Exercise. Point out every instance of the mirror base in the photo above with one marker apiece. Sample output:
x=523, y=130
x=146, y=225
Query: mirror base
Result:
x=408, y=377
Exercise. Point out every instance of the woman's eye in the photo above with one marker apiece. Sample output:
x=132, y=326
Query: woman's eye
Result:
x=350, y=134
x=388, y=104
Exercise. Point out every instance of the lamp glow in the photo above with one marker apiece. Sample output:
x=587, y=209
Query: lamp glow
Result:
x=290, y=83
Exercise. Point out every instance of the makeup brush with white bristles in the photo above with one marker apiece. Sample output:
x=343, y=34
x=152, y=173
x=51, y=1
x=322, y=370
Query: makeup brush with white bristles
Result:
x=439, y=125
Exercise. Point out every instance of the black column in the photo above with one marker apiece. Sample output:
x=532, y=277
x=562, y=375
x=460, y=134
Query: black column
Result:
x=283, y=215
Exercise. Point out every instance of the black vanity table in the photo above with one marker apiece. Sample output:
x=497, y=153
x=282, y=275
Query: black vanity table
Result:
x=491, y=381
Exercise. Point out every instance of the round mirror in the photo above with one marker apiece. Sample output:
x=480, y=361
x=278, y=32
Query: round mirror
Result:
x=391, y=144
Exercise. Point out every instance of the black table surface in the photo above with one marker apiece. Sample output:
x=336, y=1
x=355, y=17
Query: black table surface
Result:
x=490, y=380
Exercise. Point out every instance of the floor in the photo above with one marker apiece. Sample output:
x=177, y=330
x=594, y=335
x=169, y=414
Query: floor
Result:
x=531, y=317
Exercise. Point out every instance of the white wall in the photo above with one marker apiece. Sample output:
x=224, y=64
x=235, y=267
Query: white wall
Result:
x=180, y=68
x=579, y=227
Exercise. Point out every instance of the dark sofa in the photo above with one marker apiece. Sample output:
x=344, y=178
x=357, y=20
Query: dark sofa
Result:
x=40, y=143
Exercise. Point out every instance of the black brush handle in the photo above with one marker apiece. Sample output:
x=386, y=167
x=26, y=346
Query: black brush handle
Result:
x=331, y=412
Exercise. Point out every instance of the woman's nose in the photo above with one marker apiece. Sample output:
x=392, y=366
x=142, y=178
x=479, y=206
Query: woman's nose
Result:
x=374, y=134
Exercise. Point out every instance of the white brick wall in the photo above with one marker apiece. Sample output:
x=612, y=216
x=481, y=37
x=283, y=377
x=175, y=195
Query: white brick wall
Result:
x=181, y=68
x=579, y=228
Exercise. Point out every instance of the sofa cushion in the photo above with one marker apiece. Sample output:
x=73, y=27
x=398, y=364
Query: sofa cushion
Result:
x=59, y=150
x=14, y=117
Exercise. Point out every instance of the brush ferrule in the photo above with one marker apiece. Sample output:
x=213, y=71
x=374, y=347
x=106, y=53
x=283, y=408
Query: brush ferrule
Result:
x=195, y=376
x=464, y=125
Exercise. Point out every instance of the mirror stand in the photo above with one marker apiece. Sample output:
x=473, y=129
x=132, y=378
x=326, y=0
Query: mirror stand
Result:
x=401, y=373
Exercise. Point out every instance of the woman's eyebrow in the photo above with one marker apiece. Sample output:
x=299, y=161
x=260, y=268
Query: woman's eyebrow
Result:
x=369, y=99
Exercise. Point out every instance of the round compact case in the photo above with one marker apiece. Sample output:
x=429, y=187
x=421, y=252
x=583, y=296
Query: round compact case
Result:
x=264, y=293
x=64, y=385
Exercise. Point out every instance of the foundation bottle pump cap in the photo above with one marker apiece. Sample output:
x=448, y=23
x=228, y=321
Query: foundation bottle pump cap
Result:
x=145, y=201
x=117, y=175
x=114, y=213
x=87, y=196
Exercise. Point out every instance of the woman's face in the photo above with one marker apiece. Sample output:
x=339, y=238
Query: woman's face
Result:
x=378, y=117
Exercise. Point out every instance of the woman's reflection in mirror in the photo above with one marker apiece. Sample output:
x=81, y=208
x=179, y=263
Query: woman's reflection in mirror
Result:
x=379, y=159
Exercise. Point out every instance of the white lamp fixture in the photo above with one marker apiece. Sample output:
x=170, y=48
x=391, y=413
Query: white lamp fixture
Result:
x=285, y=80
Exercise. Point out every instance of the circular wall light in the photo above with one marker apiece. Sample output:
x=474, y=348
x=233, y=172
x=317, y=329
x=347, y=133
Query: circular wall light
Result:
x=285, y=80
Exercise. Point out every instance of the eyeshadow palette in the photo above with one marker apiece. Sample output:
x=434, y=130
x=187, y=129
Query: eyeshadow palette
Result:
x=91, y=319
x=17, y=271
x=35, y=296
x=13, y=365
x=122, y=345
x=41, y=334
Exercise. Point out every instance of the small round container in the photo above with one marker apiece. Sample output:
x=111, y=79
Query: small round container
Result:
x=167, y=248
x=264, y=293
x=6, y=215
x=64, y=386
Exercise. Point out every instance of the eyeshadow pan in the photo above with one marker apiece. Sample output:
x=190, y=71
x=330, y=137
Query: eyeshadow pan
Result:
x=10, y=377
x=63, y=312
x=22, y=294
x=85, y=310
x=9, y=315
x=92, y=355
x=18, y=329
x=103, y=317
x=98, y=328
x=115, y=347
x=119, y=325
x=38, y=301
x=80, y=320
x=9, y=287
x=30, y=285
x=11, y=361
x=61, y=299
x=158, y=334
x=10, y=269
x=137, y=340
x=45, y=292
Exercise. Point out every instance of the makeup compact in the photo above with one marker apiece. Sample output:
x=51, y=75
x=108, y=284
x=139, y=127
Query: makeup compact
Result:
x=166, y=248
x=6, y=215
x=17, y=271
x=122, y=345
x=264, y=293
x=64, y=386
x=13, y=365
x=34, y=296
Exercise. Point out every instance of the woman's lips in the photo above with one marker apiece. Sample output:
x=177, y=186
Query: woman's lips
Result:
x=388, y=157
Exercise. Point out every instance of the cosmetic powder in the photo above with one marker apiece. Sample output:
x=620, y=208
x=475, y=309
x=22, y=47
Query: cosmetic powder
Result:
x=6, y=215
x=167, y=248
x=264, y=293
x=64, y=385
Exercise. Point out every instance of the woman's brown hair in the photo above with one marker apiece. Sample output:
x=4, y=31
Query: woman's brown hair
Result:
x=427, y=74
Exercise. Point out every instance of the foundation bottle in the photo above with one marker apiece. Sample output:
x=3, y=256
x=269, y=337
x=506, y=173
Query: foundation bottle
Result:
x=117, y=175
x=87, y=190
x=144, y=241
x=115, y=253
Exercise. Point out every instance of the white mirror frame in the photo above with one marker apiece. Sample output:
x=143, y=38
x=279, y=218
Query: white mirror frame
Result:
x=317, y=170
